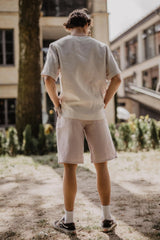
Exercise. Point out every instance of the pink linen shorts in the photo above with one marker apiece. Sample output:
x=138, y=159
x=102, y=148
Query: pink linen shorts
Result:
x=70, y=140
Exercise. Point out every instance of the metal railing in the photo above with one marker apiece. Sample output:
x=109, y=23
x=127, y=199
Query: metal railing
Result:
x=134, y=89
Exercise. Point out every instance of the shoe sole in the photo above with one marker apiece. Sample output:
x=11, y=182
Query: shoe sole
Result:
x=110, y=229
x=64, y=230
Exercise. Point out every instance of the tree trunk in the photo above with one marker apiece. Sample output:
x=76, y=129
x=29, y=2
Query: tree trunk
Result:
x=29, y=107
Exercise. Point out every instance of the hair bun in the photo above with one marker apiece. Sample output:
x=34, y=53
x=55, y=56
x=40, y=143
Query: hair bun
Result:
x=78, y=18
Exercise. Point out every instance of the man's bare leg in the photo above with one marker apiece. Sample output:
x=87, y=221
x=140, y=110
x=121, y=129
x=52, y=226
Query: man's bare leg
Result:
x=69, y=190
x=103, y=183
x=104, y=188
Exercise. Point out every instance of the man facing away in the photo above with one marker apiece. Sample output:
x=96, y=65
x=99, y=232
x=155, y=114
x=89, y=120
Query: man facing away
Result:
x=83, y=64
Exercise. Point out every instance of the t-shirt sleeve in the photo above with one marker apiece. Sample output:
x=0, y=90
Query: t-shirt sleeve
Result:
x=112, y=68
x=51, y=66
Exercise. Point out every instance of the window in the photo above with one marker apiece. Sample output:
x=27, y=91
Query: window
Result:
x=149, y=43
x=150, y=78
x=49, y=8
x=7, y=112
x=157, y=38
x=46, y=43
x=6, y=47
x=2, y=111
x=116, y=54
x=151, y=37
x=11, y=105
x=121, y=104
x=131, y=51
x=129, y=81
x=62, y=7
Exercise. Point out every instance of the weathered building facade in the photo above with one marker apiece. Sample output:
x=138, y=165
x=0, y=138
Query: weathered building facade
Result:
x=53, y=14
x=137, y=52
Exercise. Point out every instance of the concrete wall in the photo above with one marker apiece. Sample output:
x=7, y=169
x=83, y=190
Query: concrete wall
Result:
x=130, y=105
x=101, y=33
x=8, y=6
x=9, y=74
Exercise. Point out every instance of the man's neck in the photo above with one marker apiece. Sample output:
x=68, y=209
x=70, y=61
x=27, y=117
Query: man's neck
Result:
x=78, y=32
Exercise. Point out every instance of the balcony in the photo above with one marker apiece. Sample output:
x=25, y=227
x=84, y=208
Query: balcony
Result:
x=143, y=95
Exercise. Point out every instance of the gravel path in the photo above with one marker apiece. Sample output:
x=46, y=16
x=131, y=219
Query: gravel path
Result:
x=31, y=198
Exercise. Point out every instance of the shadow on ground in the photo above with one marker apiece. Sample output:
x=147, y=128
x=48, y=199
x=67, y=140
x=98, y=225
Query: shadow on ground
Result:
x=32, y=211
x=140, y=209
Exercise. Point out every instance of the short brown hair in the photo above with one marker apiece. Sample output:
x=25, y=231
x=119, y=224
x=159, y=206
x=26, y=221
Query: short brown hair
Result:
x=78, y=18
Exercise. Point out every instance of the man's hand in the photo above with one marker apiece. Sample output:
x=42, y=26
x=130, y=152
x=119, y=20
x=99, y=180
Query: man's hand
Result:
x=58, y=110
x=57, y=105
x=112, y=89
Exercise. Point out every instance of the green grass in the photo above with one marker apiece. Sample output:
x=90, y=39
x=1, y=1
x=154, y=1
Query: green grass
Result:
x=50, y=160
x=7, y=163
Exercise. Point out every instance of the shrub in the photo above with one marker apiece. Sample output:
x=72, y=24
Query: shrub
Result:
x=34, y=146
x=3, y=147
x=136, y=134
x=140, y=136
x=54, y=142
x=133, y=127
x=41, y=140
x=113, y=132
x=27, y=140
x=143, y=132
x=154, y=135
x=158, y=129
x=51, y=143
x=12, y=144
x=44, y=143
x=125, y=134
x=48, y=128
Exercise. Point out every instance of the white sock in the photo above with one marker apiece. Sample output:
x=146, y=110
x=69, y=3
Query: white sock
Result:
x=68, y=216
x=106, y=212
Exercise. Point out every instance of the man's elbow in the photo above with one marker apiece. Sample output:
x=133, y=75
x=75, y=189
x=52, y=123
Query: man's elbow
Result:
x=117, y=78
x=47, y=79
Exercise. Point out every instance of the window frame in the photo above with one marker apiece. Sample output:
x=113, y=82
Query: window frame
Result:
x=58, y=11
x=4, y=51
x=6, y=112
x=146, y=39
x=128, y=56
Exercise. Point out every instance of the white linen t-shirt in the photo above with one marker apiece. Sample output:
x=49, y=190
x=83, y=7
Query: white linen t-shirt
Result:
x=83, y=65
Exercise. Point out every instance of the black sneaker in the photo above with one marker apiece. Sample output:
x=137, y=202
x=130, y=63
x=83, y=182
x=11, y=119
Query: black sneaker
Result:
x=68, y=228
x=108, y=225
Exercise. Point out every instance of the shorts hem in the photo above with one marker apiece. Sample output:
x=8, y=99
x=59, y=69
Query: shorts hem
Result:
x=108, y=159
x=71, y=162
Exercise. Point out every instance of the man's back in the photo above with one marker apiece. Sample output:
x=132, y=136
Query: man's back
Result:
x=84, y=65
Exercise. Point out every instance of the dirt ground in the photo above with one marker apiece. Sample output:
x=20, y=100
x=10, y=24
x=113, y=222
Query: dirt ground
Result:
x=31, y=198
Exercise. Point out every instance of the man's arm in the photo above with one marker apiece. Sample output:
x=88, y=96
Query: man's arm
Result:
x=112, y=89
x=51, y=89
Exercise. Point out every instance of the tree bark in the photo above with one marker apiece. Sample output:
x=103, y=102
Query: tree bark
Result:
x=29, y=106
